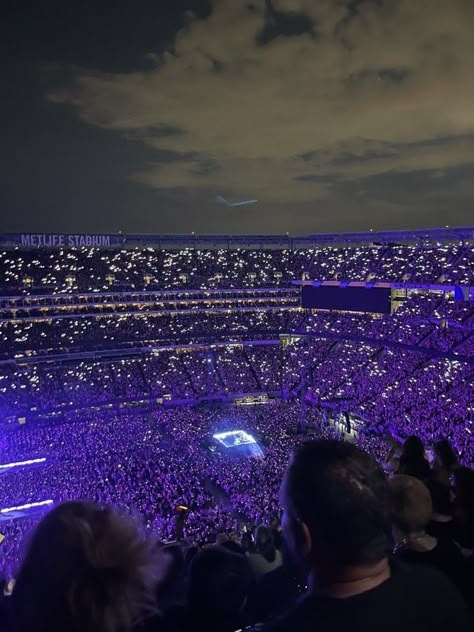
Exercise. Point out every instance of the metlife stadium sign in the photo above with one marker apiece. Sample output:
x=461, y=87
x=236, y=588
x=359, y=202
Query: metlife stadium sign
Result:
x=60, y=240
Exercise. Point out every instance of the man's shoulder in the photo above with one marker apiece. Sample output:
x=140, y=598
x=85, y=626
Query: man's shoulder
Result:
x=416, y=595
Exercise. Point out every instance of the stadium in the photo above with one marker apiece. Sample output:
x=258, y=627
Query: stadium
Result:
x=237, y=316
x=122, y=359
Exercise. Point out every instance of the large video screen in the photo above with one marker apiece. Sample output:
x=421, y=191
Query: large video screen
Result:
x=350, y=299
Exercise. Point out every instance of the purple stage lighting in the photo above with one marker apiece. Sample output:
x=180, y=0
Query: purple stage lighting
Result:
x=40, y=503
x=7, y=466
x=234, y=438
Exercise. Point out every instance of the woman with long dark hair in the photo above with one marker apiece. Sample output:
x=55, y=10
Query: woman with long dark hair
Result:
x=413, y=461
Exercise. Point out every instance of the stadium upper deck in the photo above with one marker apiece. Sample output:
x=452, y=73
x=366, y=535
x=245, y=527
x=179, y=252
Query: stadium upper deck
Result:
x=58, y=263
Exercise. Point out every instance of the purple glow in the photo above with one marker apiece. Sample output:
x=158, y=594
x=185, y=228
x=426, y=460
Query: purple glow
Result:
x=135, y=383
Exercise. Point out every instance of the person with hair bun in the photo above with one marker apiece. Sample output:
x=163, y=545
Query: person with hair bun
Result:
x=87, y=569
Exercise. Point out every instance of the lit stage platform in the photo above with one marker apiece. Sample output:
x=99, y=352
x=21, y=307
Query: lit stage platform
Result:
x=238, y=443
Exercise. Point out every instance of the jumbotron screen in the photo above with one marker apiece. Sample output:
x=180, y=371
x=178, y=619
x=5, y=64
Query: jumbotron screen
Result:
x=349, y=299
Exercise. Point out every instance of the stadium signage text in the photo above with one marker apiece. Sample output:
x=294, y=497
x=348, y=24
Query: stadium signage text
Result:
x=45, y=240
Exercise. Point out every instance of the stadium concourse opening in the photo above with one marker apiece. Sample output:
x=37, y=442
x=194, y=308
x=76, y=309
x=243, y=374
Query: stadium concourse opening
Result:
x=123, y=359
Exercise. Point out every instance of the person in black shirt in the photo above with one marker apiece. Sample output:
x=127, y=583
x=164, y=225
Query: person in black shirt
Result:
x=446, y=461
x=441, y=524
x=277, y=537
x=463, y=487
x=277, y=591
x=337, y=524
x=218, y=585
x=412, y=510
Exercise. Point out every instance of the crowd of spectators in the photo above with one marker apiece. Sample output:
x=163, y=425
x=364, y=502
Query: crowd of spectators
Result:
x=155, y=461
x=352, y=545
x=394, y=390
x=133, y=427
x=93, y=269
x=392, y=376
x=142, y=329
x=425, y=319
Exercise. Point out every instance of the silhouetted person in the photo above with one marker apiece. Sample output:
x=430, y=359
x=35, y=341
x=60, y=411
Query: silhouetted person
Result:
x=441, y=524
x=337, y=525
x=413, y=461
x=412, y=510
x=267, y=557
x=463, y=487
x=445, y=462
x=219, y=583
x=87, y=569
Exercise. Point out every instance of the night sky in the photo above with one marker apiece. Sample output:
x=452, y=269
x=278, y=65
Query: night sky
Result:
x=335, y=114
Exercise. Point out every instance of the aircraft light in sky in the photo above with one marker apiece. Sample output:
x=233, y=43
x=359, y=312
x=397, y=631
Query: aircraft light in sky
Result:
x=222, y=200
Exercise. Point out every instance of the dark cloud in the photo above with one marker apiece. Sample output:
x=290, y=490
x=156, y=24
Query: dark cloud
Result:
x=352, y=107
x=283, y=24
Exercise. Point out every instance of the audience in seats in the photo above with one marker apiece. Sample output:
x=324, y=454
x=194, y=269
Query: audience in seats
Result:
x=91, y=269
x=355, y=551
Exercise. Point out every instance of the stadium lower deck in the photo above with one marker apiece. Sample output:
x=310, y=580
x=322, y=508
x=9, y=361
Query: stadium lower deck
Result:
x=119, y=365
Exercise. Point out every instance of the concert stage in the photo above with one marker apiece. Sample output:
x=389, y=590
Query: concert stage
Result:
x=238, y=443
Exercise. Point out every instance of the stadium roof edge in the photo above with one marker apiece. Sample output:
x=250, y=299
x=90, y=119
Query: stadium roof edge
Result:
x=210, y=241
